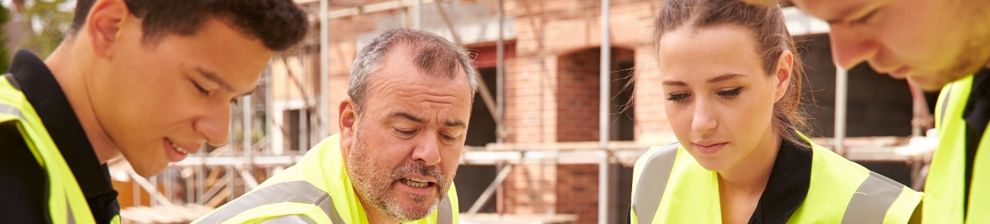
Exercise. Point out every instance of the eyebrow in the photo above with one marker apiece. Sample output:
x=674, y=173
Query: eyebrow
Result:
x=844, y=14
x=414, y=118
x=407, y=116
x=216, y=79
x=724, y=77
x=720, y=78
x=454, y=123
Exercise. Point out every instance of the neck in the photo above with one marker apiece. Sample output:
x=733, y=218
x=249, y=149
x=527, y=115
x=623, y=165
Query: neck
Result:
x=751, y=178
x=69, y=68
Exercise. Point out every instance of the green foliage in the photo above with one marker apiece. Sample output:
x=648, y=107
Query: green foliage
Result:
x=49, y=21
x=4, y=58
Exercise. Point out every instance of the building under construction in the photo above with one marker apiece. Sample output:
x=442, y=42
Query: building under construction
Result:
x=538, y=152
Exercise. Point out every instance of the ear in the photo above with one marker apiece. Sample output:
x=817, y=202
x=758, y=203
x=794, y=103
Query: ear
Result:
x=782, y=75
x=347, y=123
x=104, y=23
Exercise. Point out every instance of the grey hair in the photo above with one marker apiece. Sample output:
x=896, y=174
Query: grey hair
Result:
x=432, y=54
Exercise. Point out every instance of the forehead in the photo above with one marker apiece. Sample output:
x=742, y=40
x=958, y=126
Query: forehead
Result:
x=831, y=9
x=218, y=48
x=400, y=82
x=707, y=52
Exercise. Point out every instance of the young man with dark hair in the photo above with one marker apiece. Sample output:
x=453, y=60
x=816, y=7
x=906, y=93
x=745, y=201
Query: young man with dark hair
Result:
x=147, y=79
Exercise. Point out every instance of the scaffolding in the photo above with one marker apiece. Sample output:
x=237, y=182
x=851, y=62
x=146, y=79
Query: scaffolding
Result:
x=190, y=188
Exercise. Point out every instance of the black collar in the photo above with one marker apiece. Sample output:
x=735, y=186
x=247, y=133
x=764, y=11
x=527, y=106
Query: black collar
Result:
x=46, y=96
x=787, y=186
x=977, y=116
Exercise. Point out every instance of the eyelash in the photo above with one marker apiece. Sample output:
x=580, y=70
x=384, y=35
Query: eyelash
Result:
x=865, y=19
x=727, y=94
x=678, y=97
x=201, y=90
x=730, y=93
x=405, y=133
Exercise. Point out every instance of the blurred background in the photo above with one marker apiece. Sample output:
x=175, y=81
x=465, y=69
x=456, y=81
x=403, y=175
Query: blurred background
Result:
x=564, y=113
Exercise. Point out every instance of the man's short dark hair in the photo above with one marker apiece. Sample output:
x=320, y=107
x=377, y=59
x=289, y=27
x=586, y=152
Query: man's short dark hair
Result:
x=279, y=24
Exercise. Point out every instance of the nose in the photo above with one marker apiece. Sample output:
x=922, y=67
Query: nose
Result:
x=214, y=124
x=428, y=150
x=705, y=119
x=850, y=47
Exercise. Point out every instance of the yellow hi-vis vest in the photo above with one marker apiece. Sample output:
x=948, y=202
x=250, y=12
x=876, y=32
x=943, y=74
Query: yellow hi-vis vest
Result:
x=315, y=190
x=944, y=186
x=66, y=203
x=669, y=186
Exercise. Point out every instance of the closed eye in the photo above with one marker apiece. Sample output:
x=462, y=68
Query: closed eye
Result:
x=678, y=97
x=865, y=18
x=405, y=133
x=200, y=89
x=730, y=93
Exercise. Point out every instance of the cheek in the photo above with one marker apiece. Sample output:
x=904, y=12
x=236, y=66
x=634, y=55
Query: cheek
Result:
x=450, y=159
x=680, y=117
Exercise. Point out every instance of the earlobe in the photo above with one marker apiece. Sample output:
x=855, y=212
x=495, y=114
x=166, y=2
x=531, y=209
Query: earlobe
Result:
x=785, y=69
x=104, y=23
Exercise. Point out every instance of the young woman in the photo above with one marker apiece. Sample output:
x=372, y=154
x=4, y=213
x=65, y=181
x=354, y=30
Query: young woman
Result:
x=732, y=89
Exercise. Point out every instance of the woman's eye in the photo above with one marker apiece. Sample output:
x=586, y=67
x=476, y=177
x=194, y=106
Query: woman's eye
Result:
x=677, y=97
x=730, y=92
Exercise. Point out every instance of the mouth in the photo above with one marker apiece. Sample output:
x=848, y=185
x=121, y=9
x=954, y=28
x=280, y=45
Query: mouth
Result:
x=176, y=152
x=419, y=186
x=709, y=148
x=900, y=73
x=418, y=183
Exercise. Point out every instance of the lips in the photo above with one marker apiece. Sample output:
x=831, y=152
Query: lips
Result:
x=900, y=73
x=418, y=183
x=177, y=152
x=708, y=147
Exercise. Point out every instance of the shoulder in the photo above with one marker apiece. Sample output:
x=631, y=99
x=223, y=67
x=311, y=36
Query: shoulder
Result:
x=658, y=154
x=22, y=177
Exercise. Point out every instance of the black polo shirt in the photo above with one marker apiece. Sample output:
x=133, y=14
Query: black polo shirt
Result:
x=977, y=115
x=787, y=185
x=23, y=182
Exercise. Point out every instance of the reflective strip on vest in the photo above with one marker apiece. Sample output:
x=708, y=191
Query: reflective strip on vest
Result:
x=444, y=214
x=872, y=200
x=289, y=219
x=653, y=182
x=868, y=204
x=300, y=192
x=60, y=179
x=10, y=110
x=293, y=191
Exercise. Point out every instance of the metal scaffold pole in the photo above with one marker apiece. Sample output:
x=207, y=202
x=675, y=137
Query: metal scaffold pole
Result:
x=603, y=115
x=323, y=110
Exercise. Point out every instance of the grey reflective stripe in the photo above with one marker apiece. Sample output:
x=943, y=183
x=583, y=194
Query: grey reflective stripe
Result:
x=652, y=182
x=444, y=214
x=12, y=81
x=290, y=219
x=10, y=110
x=71, y=219
x=945, y=104
x=293, y=191
x=872, y=200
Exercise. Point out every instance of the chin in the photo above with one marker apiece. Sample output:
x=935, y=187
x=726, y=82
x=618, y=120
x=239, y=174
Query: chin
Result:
x=710, y=164
x=928, y=85
x=148, y=170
